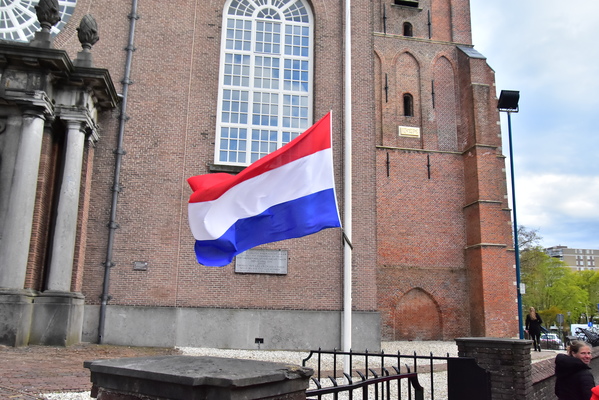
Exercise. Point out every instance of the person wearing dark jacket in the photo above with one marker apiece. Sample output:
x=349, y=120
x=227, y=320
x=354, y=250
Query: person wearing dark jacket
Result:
x=574, y=379
x=533, y=327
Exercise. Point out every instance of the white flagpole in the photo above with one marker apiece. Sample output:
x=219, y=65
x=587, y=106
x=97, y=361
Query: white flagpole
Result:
x=347, y=193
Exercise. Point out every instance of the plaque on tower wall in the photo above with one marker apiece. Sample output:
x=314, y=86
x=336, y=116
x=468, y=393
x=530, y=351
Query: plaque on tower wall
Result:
x=262, y=262
x=409, y=131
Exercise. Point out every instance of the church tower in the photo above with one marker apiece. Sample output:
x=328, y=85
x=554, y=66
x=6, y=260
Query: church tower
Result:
x=445, y=251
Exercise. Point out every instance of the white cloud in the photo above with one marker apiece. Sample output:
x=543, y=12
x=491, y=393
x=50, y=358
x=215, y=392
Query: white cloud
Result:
x=560, y=206
x=549, y=53
x=540, y=197
x=536, y=45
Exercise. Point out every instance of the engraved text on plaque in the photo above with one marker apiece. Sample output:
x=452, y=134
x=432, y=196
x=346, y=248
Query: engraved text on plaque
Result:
x=262, y=262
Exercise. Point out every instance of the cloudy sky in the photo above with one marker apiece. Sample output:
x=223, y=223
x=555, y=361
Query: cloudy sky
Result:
x=549, y=51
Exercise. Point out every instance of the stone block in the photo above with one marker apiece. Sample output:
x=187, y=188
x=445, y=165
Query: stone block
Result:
x=58, y=319
x=16, y=309
x=190, y=378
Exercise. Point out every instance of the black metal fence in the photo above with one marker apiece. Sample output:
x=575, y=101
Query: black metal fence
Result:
x=381, y=376
x=376, y=387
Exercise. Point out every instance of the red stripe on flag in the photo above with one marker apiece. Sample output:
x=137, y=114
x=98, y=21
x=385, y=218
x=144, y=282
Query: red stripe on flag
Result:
x=316, y=138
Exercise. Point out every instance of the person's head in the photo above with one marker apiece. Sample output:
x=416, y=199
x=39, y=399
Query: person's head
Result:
x=580, y=350
x=532, y=312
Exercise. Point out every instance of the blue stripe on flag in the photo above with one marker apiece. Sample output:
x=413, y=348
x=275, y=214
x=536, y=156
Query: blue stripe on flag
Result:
x=292, y=219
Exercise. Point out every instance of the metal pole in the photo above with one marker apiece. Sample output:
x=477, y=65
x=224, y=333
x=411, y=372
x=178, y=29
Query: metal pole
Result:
x=516, y=246
x=347, y=192
x=119, y=152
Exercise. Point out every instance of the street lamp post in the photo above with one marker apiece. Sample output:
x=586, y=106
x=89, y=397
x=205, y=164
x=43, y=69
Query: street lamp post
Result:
x=508, y=102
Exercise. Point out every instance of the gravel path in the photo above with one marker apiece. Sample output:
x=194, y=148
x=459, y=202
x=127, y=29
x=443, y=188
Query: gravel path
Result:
x=295, y=357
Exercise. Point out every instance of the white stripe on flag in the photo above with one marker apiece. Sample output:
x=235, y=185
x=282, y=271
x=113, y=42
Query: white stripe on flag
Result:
x=311, y=174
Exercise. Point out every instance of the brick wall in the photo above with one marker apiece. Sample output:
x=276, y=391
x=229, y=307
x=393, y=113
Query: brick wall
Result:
x=513, y=374
x=508, y=361
x=170, y=137
x=420, y=240
x=439, y=243
x=443, y=219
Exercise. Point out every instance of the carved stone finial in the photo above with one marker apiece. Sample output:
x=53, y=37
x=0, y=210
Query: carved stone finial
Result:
x=48, y=14
x=88, y=36
x=88, y=32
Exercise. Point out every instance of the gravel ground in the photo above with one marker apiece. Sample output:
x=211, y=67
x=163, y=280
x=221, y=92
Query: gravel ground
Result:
x=294, y=357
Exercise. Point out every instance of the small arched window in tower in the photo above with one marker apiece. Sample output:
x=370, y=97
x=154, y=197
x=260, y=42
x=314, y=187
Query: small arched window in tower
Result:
x=407, y=29
x=408, y=105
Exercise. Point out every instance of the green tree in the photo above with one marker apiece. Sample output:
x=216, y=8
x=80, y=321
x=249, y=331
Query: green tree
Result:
x=594, y=293
x=528, y=238
x=589, y=281
x=567, y=294
x=551, y=287
x=548, y=282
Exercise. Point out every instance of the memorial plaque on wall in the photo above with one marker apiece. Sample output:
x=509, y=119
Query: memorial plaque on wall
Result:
x=262, y=262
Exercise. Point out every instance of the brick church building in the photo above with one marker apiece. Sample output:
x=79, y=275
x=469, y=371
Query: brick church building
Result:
x=98, y=137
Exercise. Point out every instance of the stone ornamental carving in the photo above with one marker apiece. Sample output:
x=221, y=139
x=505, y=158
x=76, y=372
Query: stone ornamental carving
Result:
x=48, y=14
x=88, y=32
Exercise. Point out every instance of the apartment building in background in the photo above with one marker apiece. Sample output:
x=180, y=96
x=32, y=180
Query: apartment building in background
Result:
x=576, y=259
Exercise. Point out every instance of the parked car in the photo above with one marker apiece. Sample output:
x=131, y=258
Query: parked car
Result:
x=551, y=341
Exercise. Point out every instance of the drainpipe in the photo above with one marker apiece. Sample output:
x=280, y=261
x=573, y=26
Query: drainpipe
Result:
x=116, y=188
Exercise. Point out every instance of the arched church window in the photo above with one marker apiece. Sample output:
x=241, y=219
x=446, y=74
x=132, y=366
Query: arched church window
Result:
x=408, y=105
x=407, y=29
x=265, y=86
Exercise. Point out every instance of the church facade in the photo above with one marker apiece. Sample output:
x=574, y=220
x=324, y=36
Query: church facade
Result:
x=97, y=146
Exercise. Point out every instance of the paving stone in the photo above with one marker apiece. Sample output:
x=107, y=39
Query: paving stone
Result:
x=26, y=372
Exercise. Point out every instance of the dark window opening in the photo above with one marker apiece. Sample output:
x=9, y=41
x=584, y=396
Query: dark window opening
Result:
x=407, y=29
x=408, y=3
x=408, y=105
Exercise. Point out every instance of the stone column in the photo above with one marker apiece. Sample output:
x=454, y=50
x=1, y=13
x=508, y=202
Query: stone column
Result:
x=16, y=236
x=65, y=231
x=58, y=313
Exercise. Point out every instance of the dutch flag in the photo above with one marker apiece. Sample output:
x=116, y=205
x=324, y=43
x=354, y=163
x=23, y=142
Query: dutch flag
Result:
x=287, y=194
